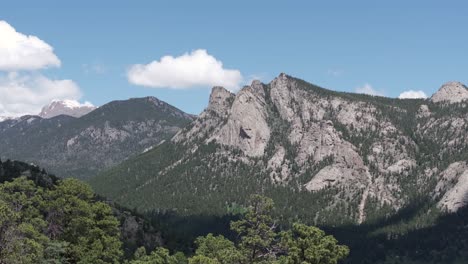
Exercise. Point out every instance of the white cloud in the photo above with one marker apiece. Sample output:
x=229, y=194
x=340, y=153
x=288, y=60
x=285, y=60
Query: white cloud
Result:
x=22, y=94
x=411, y=94
x=194, y=69
x=368, y=89
x=22, y=52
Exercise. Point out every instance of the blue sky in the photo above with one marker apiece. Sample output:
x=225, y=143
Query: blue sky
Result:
x=371, y=46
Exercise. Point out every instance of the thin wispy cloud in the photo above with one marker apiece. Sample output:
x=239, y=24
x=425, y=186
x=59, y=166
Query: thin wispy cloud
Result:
x=194, y=69
x=368, y=89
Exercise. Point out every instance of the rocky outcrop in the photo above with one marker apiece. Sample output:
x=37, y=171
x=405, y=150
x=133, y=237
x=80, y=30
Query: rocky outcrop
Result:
x=246, y=127
x=453, y=187
x=451, y=92
x=210, y=120
x=356, y=155
x=220, y=101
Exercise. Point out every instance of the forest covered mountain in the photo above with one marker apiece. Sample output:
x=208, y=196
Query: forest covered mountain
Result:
x=318, y=153
x=374, y=169
x=377, y=173
x=81, y=147
x=44, y=219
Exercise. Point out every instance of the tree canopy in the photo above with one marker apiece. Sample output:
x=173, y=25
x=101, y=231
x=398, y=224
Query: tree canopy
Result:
x=62, y=224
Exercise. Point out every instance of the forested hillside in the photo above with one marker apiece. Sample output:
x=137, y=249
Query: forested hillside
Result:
x=44, y=219
x=316, y=152
x=385, y=168
x=81, y=147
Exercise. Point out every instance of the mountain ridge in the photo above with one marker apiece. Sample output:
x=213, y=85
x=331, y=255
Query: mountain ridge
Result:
x=80, y=147
x=370, y=155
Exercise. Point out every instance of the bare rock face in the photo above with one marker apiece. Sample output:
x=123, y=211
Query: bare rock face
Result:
x=220, y=100
x=423, y=111
x=210, y=119
x=453, y=187
x=66, y=107
x=279, y=166
x=451, y=92
x=247, y=127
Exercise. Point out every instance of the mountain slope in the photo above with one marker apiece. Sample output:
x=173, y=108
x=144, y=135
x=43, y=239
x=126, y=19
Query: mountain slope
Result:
x=135, y=231
x=66, y=107
x=319, y=153
x=80, y=147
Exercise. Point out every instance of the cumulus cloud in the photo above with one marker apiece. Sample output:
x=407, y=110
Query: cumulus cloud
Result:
x=368, y=89
x=22, y=94
x=411, y=94
x=23, y=52
x=195, y=69
x=23, y=90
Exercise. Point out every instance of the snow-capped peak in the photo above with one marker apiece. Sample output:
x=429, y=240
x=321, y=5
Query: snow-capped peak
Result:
x=4, y=118
x=72, y=103
x=66, y=107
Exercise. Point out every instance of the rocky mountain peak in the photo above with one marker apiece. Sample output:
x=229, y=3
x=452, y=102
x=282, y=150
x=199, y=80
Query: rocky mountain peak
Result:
x=258, y=88
x=66, y=107
x=220, y=99
x=451, y=92
x=282, y=81
x=154, y=100
x=246, y=127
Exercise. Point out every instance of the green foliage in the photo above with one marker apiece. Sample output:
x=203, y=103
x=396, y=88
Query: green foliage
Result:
x=159, y=256
x=216, y=249
x=57, y=223
x=308, y=244
x=257, y=230
x=259, y=242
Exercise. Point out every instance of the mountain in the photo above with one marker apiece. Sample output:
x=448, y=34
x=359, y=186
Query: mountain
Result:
x=3, y=118
x=326, y=157
x=66, y=107
x=451, y=92
x=80, y=147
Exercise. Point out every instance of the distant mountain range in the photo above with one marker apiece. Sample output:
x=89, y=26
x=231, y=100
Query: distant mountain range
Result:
x=318, y=153
x=378, y=172
x=79, y=140
x=325, y=157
